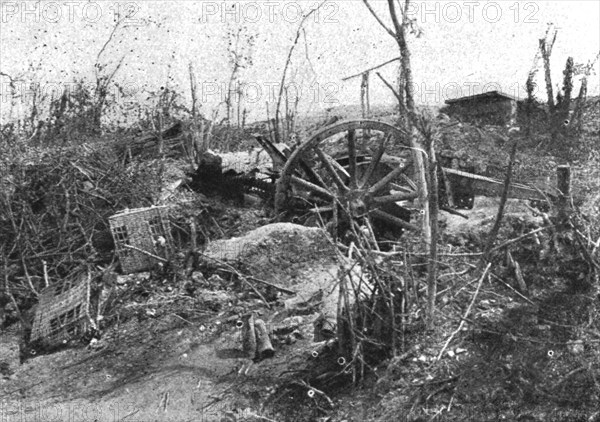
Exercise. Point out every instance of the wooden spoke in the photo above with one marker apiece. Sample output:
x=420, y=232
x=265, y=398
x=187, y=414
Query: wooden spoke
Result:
x=328, y=163
x=394, y=220
x=319, y=180
x=312, y=187
x=310, y=174
x=407, y=179
x=324, y=208
x=406, y=189
x=374, y=162
x=386, y=180
x=352, y=158
x=340, y=168
x=396, y=197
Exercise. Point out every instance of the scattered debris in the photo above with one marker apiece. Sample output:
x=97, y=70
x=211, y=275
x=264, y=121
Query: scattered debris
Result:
x=249, y=336
x=264, y=348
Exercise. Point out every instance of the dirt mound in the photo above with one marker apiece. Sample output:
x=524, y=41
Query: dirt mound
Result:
x=297, y=257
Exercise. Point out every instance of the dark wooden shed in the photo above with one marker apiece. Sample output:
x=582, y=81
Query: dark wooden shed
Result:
x=488, y=108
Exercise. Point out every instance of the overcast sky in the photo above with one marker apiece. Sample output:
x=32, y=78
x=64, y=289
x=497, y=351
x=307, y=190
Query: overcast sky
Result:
x=466, y=46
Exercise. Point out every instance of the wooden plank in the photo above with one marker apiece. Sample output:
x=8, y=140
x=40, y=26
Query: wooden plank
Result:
x=486, y=186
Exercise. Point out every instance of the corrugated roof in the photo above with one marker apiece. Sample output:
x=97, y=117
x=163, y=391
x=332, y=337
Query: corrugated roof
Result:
x=483, y=95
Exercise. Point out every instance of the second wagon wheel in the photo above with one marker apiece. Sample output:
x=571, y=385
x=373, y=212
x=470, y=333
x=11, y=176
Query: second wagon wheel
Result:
x=352, y=171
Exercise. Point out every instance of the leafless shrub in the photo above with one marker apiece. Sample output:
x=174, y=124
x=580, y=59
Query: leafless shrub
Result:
x=55, y=207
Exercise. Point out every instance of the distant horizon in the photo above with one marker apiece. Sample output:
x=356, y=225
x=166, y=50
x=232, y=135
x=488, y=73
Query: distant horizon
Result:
x=466, y=48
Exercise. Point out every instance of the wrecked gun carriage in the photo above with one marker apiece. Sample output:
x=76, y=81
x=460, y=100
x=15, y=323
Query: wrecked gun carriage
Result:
x=362, y=171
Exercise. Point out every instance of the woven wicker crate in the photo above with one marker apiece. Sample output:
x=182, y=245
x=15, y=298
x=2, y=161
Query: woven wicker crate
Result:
x=62, y=312
x=137, y=230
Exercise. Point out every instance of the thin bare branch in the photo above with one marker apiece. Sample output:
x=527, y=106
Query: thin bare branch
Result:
x=110, y=37
x=466, y=315
x=394, y=17
x=299, y=32
x=383, y=25
x=371, y=69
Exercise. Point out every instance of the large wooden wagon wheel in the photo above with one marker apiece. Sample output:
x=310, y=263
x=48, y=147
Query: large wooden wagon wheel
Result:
x=354, y=171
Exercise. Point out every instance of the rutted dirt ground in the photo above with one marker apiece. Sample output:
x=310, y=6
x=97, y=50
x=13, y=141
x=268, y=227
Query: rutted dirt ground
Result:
x=166, y=364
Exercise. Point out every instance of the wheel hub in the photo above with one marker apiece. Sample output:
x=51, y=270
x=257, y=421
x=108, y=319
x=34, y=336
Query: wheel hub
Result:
x=356, y=203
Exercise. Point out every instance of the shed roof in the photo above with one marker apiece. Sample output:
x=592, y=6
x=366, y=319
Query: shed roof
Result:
x=489, y=94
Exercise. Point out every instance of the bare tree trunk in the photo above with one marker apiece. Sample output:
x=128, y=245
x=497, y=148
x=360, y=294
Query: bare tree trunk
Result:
x=576, y=120
x=198, y=146
x=529, y=102
x=567, y=84
x=194, y=90
x=365, y=101
x=228, y=102
x=401, y=82
x=404, y=52
x=363, y=85
x=433, y=218
x=561, y=122
x=405, y=95
x=408, y=89
x=239, y=105
x=547, y=76
x=546, y=46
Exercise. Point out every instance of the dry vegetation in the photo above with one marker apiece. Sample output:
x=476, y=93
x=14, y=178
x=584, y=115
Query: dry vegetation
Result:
x=499, y=348
x=499, y=323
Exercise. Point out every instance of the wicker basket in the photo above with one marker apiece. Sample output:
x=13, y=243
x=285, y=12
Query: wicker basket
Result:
x=63, y=312
x=140, y=236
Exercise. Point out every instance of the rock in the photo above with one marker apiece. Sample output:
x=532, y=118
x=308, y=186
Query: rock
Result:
x=288, y=325
x=325, y=327
x=544, y=327
x=575, y=347
x=295, y=320
x=132, y=278
x=214, y=300
x=198, y=277
x=215, y=280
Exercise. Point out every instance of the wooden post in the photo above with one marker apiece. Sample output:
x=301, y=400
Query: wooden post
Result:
x=563, y=177
x=433, y=227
